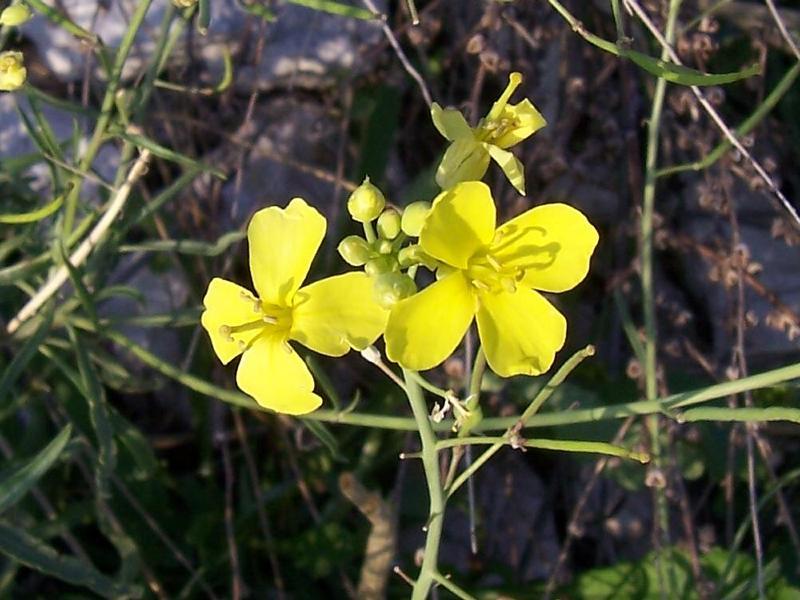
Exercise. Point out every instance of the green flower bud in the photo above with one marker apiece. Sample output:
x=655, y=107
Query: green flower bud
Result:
x=366, y=202
x=12, y=71
x=381, y=264
x=390, y=288
x=354, y=250
x=384, y=247
x=14, y=15
x=389, y=224
x=414, y=217
x=415, y=255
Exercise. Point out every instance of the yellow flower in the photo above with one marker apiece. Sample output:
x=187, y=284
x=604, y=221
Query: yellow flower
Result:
x=329, y=316
x=467, y=157
x=12, y=71
x=492, y=274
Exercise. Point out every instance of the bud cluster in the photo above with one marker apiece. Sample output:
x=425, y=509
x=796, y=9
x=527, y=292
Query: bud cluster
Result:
x=385, y=251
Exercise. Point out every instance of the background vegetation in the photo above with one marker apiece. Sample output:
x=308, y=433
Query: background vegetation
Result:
x=132, y=468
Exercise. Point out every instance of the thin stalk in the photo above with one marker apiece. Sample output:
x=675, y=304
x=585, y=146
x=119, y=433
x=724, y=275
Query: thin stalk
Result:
x=430, y=462
x=520, y=423
x=106, y=112
x=452, y=587
x=648, y=295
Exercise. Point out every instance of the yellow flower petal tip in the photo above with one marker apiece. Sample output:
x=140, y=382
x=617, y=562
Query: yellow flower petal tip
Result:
x=330, y=316
x=12, y=71
x=471, y=149
x=492, y=274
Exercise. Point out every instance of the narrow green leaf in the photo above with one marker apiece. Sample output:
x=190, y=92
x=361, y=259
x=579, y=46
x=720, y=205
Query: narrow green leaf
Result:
x=23, y=356
x=98, y=413
x=32, y=552
x=336, y=8
x=34, y=215
x=323, y=434
x=167, y=153
x=76, y=277
x=684, y=75
x=191, y=247
x=17, y=484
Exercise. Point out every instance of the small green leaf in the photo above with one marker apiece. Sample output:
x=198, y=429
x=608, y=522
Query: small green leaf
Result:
x=23, y=356
x=17, y=484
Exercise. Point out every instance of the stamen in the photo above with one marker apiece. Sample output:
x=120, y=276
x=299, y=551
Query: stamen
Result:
x=495, y=264
x=269, y=320
x=225, y=332
x=287, y=347
x=242, y=346
x=257, y=306
x=480, y=285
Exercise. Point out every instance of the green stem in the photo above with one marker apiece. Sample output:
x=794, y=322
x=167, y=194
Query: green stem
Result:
x=648, y=294
x=427, y=385
x=106, y=112
x=430, y=462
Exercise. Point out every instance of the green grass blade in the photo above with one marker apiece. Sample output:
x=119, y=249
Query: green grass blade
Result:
x=17, y=484
x=24, y=548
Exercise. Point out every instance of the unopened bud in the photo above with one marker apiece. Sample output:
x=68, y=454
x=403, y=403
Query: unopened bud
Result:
x=366, y=202
x=381, y=264
x=389, y=224
x=384, y=247
x=390, y=288
x=410, y=255
x=15, y=15
x=354, y=250
x=414, y=216
x=12, y=71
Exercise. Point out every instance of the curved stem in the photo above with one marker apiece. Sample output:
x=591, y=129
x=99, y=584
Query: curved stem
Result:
x=430, y=463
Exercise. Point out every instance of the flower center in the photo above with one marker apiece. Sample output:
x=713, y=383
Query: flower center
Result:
x=487, y=272
x=496, y=129
x=267, y=319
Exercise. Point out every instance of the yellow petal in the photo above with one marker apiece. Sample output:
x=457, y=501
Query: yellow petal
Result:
x=276, y=377
x=510, y=165
x=526, y=121
x=520, y=332
x=464, y=160
x=283, y=242
x=552, y=243
x=450, y=123
x=229, y=305
x=335, y=314
x=460, y=223
x=426, y=328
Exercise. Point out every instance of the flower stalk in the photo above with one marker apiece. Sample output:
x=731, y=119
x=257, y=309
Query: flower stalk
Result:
x=430, y=463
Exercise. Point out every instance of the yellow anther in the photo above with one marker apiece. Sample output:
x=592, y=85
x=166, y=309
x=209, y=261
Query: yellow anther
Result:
x=269, y=320
x=480, y=285
x=225, y=331
x=508, y=284
x=495, y=264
